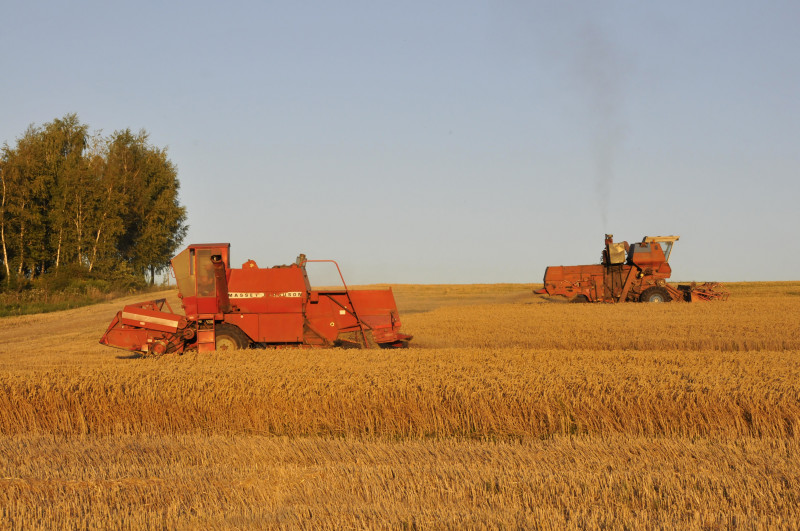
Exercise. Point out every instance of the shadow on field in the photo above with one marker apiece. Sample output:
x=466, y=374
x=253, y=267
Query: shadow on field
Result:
x=133, y=356
x=558, y=300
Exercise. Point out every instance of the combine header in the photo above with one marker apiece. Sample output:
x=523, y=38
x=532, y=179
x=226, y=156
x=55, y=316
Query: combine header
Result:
x=636, y=272
x=229, y=308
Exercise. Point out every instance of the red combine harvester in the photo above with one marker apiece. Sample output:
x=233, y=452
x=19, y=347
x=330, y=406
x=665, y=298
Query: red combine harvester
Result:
x=238, y=308
x=636, y=272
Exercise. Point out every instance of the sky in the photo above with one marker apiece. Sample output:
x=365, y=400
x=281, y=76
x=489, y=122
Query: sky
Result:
x=442, y=142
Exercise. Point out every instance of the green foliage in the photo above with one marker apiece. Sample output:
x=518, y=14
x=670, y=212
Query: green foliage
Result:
x=71, y=286
x=78, y=208
x=125, y=279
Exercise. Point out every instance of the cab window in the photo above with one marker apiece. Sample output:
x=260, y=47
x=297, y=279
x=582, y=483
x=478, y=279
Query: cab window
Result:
x=206, y=286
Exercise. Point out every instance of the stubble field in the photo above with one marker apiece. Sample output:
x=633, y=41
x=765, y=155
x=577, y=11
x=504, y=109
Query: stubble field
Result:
x=509, y=411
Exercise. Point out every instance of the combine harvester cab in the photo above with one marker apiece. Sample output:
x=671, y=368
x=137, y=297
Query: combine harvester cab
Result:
x=229, y=308
x=636, y=272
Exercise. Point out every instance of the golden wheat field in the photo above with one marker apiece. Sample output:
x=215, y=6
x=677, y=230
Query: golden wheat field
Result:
x=509, y=411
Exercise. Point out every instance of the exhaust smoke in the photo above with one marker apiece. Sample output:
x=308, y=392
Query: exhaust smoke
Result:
x=601, y=74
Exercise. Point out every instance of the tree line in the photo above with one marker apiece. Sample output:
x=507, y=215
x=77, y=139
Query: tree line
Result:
x=74, y=200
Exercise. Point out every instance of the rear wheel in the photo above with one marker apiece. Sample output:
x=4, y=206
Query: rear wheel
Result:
x=229, y=337
x=655, y=294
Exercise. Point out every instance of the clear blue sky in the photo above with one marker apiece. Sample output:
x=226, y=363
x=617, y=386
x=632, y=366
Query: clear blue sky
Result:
x=443, y=142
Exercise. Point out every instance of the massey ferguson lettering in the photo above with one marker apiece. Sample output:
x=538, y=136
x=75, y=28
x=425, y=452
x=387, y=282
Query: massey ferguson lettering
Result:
x=261, y=295
x=245, y=295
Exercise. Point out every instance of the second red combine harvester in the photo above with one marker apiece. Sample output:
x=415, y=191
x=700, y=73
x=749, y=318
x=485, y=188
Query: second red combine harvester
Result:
x=636, y=272
x=228, y=308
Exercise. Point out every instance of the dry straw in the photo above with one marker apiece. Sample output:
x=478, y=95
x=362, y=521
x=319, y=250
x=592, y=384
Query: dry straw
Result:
x=510, y=411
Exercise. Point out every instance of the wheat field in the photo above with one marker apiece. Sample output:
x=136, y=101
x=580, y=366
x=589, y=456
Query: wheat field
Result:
x=509, y=411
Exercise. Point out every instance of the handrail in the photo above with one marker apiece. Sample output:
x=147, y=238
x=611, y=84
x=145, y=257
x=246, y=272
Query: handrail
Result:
x=347, y=294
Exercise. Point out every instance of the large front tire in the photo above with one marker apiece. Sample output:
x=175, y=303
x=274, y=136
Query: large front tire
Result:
x=655, y=294
x=229, y=337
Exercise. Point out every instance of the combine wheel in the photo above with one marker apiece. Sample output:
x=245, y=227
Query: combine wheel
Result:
x=580, y=299
x=229, y=337
x=655, y=294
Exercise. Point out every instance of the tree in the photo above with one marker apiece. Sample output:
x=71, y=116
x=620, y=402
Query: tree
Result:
x=154, y=220
x=24, y=204
x=3, y=199
x=72, y=194
x=69, y=197
x=106, y=219
x=164, y=223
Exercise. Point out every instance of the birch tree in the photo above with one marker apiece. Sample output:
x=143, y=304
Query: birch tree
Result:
x=103, y=204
